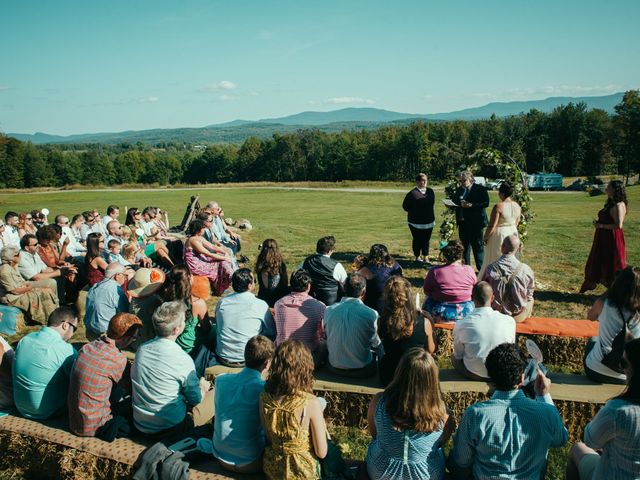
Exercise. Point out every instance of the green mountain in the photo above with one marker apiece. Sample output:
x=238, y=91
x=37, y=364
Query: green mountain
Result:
x=237, y=131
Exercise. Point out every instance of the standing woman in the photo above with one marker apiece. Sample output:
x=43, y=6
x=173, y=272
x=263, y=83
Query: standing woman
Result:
x=504, y=221
x=409, y=423
x=608, y=253
x=271, y=272
x=418, y=204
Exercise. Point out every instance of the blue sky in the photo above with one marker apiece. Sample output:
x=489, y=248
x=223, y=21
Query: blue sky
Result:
x=93, y=66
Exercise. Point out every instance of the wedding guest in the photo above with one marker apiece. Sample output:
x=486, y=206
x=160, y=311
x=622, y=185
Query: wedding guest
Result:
x=418, y=204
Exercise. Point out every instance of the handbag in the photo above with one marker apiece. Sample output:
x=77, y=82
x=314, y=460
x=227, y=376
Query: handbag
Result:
x=332, y=466
x=613, y=359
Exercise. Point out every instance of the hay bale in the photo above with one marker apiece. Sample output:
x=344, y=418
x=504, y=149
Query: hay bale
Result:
x=35, y=458
x=565, y=352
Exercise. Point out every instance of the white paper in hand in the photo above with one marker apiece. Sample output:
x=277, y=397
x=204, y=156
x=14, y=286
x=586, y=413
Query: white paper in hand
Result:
x=534, y=350
x=418, y=301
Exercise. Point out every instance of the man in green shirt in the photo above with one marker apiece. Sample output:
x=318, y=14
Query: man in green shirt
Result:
x=42, y=365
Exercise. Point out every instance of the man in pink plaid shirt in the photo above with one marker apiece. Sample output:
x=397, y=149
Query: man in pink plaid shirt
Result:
x=99, y=378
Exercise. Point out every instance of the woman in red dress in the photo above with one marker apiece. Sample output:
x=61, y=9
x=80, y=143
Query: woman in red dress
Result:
x=608, y=254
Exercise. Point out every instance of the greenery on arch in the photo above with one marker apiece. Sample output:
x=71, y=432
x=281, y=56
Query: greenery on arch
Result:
x=506, y=168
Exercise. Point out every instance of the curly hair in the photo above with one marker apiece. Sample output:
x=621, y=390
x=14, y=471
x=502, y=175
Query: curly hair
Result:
x=379, y=256
x=46, y=234
x=399, y=311
x=413, y=399
x=452, y=252
x=291, y=370
x=505, y=366
x=269, y=260
x=22, y=223
x=619, y=194
x=177, y=286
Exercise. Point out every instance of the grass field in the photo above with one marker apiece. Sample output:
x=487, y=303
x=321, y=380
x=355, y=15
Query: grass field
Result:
x=557, y=248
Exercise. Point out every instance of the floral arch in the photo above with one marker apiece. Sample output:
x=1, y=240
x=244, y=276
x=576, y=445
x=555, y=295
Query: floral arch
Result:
x=506, y=168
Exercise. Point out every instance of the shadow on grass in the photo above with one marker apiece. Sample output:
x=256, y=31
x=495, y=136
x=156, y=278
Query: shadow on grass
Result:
x=564, y=297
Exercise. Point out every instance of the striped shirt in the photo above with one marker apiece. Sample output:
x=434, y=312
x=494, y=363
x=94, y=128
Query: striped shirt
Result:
x=299, y=316
x=507, y=436
x=616, y=430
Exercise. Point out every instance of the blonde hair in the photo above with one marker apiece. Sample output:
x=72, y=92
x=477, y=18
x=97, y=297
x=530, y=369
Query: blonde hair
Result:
x=413, y=399
x=126, y=232
x=129, y=250
x=291, y=370
x=399, y=311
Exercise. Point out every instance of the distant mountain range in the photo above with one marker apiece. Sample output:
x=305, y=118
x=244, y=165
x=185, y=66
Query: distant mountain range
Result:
x=347, y=118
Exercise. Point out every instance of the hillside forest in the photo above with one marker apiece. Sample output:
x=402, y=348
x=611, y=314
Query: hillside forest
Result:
x=571, y=140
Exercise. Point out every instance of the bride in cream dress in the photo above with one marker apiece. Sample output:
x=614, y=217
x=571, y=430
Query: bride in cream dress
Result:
x=504, y=221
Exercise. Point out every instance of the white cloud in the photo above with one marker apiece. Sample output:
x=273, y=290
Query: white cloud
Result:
x=227, y=98
x=216, y=87
x=148, y=100
x=348, y=101
x=565, y=90
x=4, y=88
x=253, y=94
x=427, y=97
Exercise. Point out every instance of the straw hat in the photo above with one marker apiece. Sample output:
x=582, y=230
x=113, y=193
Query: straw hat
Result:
x=145, y=282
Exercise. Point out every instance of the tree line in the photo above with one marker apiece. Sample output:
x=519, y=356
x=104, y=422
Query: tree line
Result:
x=571, y=140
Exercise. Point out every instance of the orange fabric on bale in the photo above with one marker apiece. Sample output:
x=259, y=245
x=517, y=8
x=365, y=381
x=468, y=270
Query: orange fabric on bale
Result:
x=558, y=327
x=200, y=287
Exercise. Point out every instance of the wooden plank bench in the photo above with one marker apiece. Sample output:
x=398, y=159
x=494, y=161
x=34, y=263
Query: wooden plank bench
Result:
x=561, y=341
x=577, y=397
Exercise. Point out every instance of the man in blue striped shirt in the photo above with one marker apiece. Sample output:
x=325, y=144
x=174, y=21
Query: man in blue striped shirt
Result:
x=508, y=436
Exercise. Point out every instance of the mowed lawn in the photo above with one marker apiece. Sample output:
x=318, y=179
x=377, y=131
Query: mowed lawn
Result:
x=557, y=247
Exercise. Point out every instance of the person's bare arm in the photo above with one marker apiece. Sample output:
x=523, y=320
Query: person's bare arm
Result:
x=618, y=214
x=449, y=427
x=201, y=246
x=47, y=273
x=371, y=415
x=318, y=428
x=493, y=223
x=428, y=331
x=595, y=310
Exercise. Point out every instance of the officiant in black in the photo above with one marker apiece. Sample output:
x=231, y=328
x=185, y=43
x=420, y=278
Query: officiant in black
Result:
x=471, y=200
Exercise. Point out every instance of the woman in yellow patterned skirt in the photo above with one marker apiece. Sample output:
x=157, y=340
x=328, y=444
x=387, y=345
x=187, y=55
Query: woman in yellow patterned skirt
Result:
x=292, y=416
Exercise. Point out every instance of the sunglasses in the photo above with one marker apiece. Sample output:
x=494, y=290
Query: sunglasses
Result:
x=29, y=218
x=75, y=327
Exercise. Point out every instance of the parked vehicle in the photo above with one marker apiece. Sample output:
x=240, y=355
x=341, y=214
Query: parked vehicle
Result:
x=494, y=184
x=545, y=181
x=480, y=180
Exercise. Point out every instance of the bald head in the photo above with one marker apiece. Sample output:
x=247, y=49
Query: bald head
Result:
x=482, y=294
x=511, y=244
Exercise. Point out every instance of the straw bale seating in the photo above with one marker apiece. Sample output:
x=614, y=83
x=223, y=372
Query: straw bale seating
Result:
x=48, y=450
x=561, y=341
x=577, y=397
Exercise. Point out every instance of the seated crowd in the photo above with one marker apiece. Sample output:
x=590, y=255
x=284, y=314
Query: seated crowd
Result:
x=277, y=330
